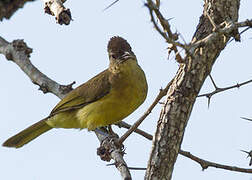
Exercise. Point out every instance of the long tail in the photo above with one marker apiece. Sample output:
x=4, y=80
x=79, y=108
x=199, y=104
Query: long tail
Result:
x=28, y=134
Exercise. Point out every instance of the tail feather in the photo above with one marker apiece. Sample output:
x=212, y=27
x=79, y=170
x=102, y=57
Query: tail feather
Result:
x=28, y=134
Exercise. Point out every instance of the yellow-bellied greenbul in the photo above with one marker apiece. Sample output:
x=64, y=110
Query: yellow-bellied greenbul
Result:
x=105, y=99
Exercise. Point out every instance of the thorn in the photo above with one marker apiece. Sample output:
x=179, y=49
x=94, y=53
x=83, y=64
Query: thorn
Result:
x=136, y=168
x=215, y=86
x=249, y=155
x=111, y=164
x=110, y=5
x=246, y=119
x=208, y=101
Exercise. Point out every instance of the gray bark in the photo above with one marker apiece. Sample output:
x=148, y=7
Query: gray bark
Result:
x=186, y=86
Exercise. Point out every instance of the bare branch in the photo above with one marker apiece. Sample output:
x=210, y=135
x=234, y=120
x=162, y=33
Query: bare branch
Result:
x=57, y=9
x=249, y=155
x=248, y=119
x=113, y=3
x=8, y=8
x=218, y=90
x=167, y=33
x=161, y=94
x=205, y=164
x=19, y=53
x=138, y=131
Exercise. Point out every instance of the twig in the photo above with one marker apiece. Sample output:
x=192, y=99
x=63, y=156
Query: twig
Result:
x=243, y=31
x=138, y=131
x=167, y=35
x=249, y=155
x=218, y=90
x=130, y=168
x=57, y=9
x=113, y=3
x=161, y=94
x=205, y=164
x=246, y=119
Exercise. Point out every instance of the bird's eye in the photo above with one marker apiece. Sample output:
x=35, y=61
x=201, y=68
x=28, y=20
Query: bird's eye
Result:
x=113, y=56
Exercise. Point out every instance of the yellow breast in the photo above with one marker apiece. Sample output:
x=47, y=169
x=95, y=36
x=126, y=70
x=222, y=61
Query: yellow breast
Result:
x=128, y=92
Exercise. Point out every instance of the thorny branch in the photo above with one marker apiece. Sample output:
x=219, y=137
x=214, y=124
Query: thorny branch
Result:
x=206, y=164
x=218, y=90
x=167, y=33
x=249, y=155
x=203, y=163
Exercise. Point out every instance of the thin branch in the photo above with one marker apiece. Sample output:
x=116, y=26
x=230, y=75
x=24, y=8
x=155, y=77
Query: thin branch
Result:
x=249, y=155
x=205, y=164
x=138, y=131
x=246, y=119
x=113, y=3
x=167, y=33
x=218, y=90
x=161, y=94
x=243, y=31
x=212, y=80
x=57, y=9
x=19, y=53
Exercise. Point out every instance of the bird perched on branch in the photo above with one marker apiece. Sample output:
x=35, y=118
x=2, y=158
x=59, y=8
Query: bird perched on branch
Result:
x=105, y=99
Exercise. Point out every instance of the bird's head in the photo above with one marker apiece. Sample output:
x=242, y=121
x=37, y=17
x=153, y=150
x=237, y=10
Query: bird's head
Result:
x=119, y=50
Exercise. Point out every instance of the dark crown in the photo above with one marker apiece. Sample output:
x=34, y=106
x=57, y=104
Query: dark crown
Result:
x=118, y=46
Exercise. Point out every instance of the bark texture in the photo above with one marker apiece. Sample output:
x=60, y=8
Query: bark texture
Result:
x=186, y=86
x=9, y=7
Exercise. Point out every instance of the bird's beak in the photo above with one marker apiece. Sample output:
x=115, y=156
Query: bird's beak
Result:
x=127, y=55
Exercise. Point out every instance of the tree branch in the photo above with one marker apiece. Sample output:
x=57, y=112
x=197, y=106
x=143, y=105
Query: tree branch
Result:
x=218, y=90
x=206, y=164
x=110, y=149
x=57, y=9
x=8, y=8
x=19, y=53
x=167, y=33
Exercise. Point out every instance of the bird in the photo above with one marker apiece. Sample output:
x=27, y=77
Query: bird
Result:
x=105, y=99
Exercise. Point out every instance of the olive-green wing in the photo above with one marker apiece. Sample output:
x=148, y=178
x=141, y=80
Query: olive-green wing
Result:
x=91, y=91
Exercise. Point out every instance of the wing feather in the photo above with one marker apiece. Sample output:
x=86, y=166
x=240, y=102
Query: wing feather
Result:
x=91, y=91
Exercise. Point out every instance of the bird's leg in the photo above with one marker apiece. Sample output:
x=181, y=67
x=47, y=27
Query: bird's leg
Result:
x=102, y=131
x=110, y=131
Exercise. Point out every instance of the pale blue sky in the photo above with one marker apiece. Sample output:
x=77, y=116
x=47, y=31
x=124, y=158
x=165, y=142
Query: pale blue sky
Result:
x=78, y=52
